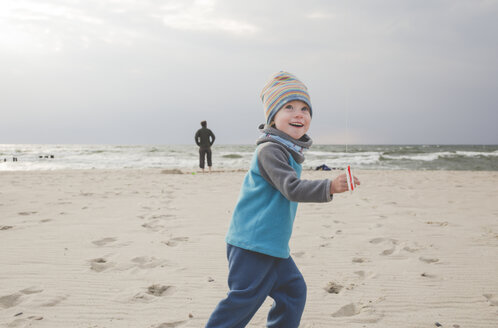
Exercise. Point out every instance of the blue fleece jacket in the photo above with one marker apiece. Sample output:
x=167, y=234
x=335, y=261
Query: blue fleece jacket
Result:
x=264, y=215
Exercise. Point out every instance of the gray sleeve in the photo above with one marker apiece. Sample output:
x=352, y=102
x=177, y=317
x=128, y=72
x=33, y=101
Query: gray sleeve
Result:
x=273, y=163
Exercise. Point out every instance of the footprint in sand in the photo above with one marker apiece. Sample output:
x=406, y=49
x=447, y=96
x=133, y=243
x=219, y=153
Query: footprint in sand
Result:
x=437, y=223
x=153, y=292
x=175, y=241
x=31, y=290
x=333, y=287
x=349, y=283
x=162, y=216
x=388, y=251
x=104, y=241
x=392, y=243
x=24, y=322
x=153, y=225
x=411, y=249
x=6, y=227
x=367, y=313
x=54, y=301
x=26, y=213
x=359, y=260
x=147, y=262
x=428, y=275
x=428, y=259
x=362, y=275
x=170, y=324
x=11, y=300
x=14, y=299
x=492, y=299
x=143, y=297
x=348, y=310
x=100, y=264
x=160, y=290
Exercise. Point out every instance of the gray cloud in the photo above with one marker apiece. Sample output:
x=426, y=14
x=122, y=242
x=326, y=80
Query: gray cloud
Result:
x=149, y=71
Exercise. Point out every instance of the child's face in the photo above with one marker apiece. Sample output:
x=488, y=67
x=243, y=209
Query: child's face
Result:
x=294, y=119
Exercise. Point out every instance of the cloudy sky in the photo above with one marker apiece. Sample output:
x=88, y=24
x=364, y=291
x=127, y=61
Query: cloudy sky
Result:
x=148, y=71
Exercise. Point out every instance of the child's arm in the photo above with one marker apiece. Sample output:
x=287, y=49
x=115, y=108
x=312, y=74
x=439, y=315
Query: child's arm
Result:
x=274, y=167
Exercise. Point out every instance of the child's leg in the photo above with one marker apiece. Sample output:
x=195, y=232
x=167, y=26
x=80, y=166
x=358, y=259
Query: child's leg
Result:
x=289, y=293
x=250, y=279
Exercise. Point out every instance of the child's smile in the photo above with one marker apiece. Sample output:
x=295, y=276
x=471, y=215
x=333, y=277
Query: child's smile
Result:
x=293, y=119
x=300, y=125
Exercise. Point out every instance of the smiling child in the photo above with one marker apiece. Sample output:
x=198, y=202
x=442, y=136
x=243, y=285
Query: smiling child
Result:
x=258, y=251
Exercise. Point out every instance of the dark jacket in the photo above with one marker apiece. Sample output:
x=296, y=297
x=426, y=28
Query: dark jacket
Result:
x=204, y=137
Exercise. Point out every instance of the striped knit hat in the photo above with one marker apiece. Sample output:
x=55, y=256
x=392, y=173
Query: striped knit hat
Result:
x=282, y=88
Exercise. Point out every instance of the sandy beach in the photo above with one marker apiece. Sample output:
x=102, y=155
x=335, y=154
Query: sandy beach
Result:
x=145, y=248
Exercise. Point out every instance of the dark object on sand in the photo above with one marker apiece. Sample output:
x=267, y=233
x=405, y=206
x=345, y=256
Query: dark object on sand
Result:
x=322, y=167
x=333, y=288
x=172, y=171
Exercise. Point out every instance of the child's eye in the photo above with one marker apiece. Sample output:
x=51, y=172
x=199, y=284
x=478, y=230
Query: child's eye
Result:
x=305, y=109
x=288, y=107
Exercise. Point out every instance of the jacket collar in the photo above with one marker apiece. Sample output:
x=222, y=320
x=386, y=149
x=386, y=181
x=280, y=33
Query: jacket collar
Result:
x=296, y=147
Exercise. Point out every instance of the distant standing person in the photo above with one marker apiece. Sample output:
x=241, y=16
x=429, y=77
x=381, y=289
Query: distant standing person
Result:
x=204, y=138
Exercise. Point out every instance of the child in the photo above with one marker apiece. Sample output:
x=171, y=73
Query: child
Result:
x=258, y=251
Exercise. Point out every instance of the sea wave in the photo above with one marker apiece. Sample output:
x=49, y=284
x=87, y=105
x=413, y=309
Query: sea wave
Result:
x=413, y=157
x=439, y=155
x=477, y=154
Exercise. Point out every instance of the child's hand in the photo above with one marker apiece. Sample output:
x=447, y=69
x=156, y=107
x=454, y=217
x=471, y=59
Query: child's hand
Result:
x=340, y=184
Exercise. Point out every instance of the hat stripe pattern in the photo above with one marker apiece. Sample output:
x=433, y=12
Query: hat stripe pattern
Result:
x=282, y=88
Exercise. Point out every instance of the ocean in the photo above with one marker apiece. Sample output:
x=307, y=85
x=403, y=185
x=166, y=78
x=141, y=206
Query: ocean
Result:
x=234, y=157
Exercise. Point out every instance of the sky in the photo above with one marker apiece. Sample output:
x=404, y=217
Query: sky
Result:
x=148, y=71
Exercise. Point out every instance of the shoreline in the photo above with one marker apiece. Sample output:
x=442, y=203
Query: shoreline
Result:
x=391, y=157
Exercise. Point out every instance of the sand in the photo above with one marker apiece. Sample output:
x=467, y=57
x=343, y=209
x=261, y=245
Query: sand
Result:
x=141, y=248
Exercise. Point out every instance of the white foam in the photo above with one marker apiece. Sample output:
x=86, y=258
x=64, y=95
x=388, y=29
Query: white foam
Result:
x=476, y=153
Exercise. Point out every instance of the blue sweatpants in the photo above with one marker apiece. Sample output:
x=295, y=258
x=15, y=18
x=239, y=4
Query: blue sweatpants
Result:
x=254, y=276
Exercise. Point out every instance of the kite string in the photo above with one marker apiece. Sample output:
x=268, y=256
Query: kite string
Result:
x=348, y=82
x=347, y=118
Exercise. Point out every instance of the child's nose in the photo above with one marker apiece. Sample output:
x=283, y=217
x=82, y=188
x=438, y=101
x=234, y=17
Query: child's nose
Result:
x=298, y=113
